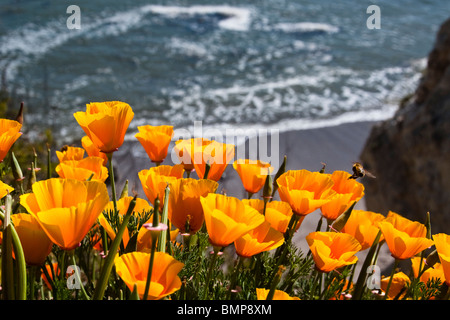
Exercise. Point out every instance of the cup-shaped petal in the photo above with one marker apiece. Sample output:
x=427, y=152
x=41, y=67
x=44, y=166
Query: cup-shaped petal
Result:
x=9, y=133
x=363, y=226
x=70, y=153
x=305, y=191
x=405, y=238
x=253, y=173
x=261, y=294
x=185, y=210
x=35, y=243
x=155, y=140
x=347, y=192
x=262, y=238
x=90, y=167
x=92, y=150
x=66, y=209
x=227, y=218
x=105, y=123
x=133, y=267
x=442, y=244
x=332, y=250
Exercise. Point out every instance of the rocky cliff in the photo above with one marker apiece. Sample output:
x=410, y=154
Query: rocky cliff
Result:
x=410, y=153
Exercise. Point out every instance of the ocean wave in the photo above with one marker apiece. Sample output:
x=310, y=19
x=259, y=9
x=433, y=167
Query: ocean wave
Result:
x=305, y=27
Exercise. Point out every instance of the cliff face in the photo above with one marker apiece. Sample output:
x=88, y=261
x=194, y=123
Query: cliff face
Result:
x=410, y=153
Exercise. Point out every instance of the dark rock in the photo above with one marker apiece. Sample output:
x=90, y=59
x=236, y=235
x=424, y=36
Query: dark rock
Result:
x=410, y=153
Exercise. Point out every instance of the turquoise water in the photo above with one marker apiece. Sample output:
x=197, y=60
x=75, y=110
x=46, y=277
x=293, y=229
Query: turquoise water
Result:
x=269, y=63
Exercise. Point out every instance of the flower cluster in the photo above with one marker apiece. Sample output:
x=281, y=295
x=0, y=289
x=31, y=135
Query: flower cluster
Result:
x=184, y=240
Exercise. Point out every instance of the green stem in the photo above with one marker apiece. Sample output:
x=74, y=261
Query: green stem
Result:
x=77, y=274
x=274, y=284
x=164, y=219
x=234, y=276
x=390, y=278
x=107, y=267
x=211, y=267
x=113, y=184
x=150, y=266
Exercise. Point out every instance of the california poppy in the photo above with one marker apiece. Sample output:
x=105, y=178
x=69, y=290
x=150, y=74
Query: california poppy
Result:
x=437, y=272
x=155, y=140
x=5, y=189
x=262, y=238
x=90, y=167
x=261, y=294
x=442, y=244
x=66, y=209
x=227, y=218
x=35, y=243
x=185, y=210
x=9, y=133
x=363, y=226
x=405, y=238
x=253, y=174
x=154, y=180
x=347, y=192
x=70, y=153
x=105, y=123
x=399, y=281
x=332, y=250
x=305, y=191
x=183, y=150
x=132, y=268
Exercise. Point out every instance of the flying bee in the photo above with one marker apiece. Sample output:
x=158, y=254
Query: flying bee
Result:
x=360, y=172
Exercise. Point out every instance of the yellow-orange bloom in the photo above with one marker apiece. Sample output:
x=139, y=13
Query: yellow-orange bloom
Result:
x=90, y=167
x=347, y=192
x=9, y=133
x=399, y=281
x=155, y=140
x=66, y=209
x=227, y=218
x=122, y=206
x=305, y=191
x=35, y=243
x=105, y=123
x=185, y=210
x=133, y=267
x=262, y=238
x=261, y=294
x=253, y=174
x=405, y=238
x=437, y=272
x=92, y=150
x=5, y=189
x=278, y=213
x=70, y=153
x=154, y=180
x=363, y=226
x=199, y=151
x=144, y=238
x=442, y=244
x=332, y=250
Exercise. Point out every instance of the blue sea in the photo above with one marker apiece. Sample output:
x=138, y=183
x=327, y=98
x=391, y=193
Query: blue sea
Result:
x=279, y=64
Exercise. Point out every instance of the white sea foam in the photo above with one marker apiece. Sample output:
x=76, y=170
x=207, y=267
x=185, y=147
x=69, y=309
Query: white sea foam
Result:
x=306, y=27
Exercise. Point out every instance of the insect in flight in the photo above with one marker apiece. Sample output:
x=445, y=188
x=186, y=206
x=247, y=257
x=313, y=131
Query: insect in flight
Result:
x=360, y=172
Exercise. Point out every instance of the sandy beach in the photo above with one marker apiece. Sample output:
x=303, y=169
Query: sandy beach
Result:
x=336, y=146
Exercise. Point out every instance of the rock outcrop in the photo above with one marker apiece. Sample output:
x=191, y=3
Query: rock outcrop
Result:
x=410, y=153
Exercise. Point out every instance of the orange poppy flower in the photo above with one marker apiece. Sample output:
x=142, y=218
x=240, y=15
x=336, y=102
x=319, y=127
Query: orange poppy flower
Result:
x=185, y=210
x=155, y=140
x=405, y=238
x=70, y=153
x=437, y=272
x=66, y=209
x=261, y=294
x=154, y=180
x=5, y=189
x=9, y=133
x=363, y=226
x=399, y=281
x=347, y=192
x=305, y=191
x=83, y=169
x=35, y=243
x=227, y=218
x=202, y=151
x=183, y=150
x=133, y=267
x=278, y=213
x=442, y=244
x=144, y=238
x=253, y=174
x=332, y=250
x=122, y=206
x=105, y=123
x=92, y=150
x=262, y=238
